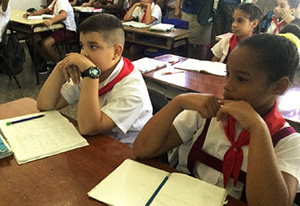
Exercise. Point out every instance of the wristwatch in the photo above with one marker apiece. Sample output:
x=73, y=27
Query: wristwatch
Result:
x=93, y=72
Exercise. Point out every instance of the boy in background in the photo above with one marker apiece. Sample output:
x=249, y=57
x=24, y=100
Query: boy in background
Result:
x=112, y=96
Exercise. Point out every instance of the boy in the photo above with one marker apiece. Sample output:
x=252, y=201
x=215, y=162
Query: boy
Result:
x=281, y=15
x=62, y=11
x=4, y=16
x=112, y=96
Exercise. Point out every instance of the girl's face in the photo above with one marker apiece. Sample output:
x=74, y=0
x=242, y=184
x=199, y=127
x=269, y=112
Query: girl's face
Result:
x=241, y=25
x=145, y=2
x=246, y=81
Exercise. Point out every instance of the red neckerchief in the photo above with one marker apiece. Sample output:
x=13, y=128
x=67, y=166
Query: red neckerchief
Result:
x=144, y=16
x=53, y=7
x=233, y=158
x=126, y=70
x=278, y=25
x=233, y=41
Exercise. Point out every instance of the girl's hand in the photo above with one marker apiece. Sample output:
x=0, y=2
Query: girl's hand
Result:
x=137, y=4
x=242, y=112
x=48, y=22
x=286, y=15
x=206, y=104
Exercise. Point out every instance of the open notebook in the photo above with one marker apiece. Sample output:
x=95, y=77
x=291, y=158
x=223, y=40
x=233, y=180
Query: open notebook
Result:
x=215, y=68
x=136, y=24
x=146, y=64
x=41, y=137
x=134, y=184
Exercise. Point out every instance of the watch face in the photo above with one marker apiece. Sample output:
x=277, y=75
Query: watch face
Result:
x=95, y=72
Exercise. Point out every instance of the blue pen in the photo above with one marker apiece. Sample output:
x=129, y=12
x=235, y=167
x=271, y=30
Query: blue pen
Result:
x=23, y=120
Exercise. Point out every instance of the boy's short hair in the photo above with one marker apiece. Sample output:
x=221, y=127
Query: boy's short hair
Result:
x=108, y=25
x=293, y=4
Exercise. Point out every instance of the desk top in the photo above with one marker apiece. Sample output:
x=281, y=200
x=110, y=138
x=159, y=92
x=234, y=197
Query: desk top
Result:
x=63, y=179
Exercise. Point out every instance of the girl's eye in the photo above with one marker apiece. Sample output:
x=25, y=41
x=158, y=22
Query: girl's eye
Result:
x=93, y=47
x=241, y=79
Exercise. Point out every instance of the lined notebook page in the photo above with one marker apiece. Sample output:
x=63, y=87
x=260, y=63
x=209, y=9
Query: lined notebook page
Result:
x=41, y=137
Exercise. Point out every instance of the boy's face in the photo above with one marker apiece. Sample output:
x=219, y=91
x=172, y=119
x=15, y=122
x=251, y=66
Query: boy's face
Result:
x=246, y=81
x=96, y=50
x=282, y=5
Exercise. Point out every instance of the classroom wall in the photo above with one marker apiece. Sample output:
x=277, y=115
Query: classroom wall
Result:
x=25, y=4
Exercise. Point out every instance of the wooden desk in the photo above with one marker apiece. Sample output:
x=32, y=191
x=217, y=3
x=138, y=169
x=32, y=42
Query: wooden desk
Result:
x=27, y=28
x=165, y=40
x=63, y=179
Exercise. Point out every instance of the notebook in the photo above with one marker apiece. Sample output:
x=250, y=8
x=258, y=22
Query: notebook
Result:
x=135, y=184
x=146, y=64
x=87, y=9
x=41, y=137
x=135, y=24
x=43, y=16
x=162, y=27
x=5, y=150
x=215, y=68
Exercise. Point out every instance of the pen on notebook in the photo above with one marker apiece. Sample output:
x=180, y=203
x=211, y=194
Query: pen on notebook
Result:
x=175, y=72
x=175, y=62
x=23, y=120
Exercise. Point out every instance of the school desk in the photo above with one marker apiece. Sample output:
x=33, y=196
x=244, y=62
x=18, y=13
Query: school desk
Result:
x=164, y=40
x=26, y=28
x=63, y=179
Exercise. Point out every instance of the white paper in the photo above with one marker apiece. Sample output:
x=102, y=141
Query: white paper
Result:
x=147, y=64
x=162, y=27
x=135, y=24
x=42, y=137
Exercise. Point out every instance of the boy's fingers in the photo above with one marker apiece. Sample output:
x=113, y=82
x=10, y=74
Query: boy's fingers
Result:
x=77, y=74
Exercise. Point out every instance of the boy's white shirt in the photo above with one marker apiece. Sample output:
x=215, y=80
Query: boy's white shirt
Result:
x=4, y=19
x=189, y=126
x=155, y=12
x=127, y=104
x=66, y=6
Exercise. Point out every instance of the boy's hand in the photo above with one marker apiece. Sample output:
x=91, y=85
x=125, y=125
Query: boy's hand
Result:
x=47, y=22
x=242, y=112
x=206, y=104
x=286, y=15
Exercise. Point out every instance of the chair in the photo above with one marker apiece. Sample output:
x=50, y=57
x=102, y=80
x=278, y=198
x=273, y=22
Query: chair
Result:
x=158, y=100
x=5, y=59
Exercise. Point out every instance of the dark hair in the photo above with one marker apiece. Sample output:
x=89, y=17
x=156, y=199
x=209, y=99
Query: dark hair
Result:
x=108, y=25
x=275, y=54
x=252, y=10
x=291, y=28
x=293, y=4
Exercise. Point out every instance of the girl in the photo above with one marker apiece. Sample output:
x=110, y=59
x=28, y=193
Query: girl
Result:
x=258, y=70
x=145, y=11
x=245, y=18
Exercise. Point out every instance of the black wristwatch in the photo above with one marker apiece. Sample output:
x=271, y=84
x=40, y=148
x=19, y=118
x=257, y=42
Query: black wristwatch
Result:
x=93, y=72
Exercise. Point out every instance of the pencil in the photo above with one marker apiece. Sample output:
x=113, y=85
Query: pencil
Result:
x=23, y=120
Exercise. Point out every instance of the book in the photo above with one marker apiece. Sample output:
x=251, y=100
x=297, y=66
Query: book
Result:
x=43, y=16
x=135, y=24
x=40, y=135
x=5, y=150
x=87, y=9
x=146, y=64
x=215, y=68
x=162, y=27
x=133, y=183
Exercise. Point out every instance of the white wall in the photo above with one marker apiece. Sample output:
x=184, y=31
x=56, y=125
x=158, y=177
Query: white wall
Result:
x=26, y=4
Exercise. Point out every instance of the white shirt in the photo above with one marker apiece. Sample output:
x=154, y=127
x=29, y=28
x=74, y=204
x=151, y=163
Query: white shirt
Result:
x=220, y=50
x=4, y=19
x=127, y=104
x=189, y=126
x=138, y=12
x=66, y=6
x=125, y=5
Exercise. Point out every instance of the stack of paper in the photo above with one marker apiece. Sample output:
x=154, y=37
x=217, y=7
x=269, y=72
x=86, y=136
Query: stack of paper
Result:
x=133, y=183
x=40, y=137
x=147, y=64
x=43, y=16
x=162, y=27
x=87, y=9
x=135, y=24
x=209, y=67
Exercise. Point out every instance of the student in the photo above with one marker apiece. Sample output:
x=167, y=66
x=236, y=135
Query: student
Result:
x=145, y=11
x=246, y=18
x=291, y=28
x=258, y=70
x=281, y=15
x=44, y=43
x=112, y=96
x=77, y=2
x=4, y=16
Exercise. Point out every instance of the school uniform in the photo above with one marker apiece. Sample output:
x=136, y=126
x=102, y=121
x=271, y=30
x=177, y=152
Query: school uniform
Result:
x=4, y=19
x=270, y=24
x=139, y=13
x=190, y=125
x=127, y=103
x=223, y=48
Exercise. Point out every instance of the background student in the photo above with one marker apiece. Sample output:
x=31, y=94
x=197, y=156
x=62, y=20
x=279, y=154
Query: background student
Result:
x=246, y=17
x=45, y=42
x=239, y=127
x=4, y=16
x=77, y=2
x=281, y=15
x=112, y=96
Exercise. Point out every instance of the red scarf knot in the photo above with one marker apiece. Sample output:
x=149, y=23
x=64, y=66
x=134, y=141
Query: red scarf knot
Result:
x=52, y=10
x=278, y=25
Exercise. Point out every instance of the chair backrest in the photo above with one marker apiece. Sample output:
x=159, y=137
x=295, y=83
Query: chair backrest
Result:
x=158, y=100
x=180, y=24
